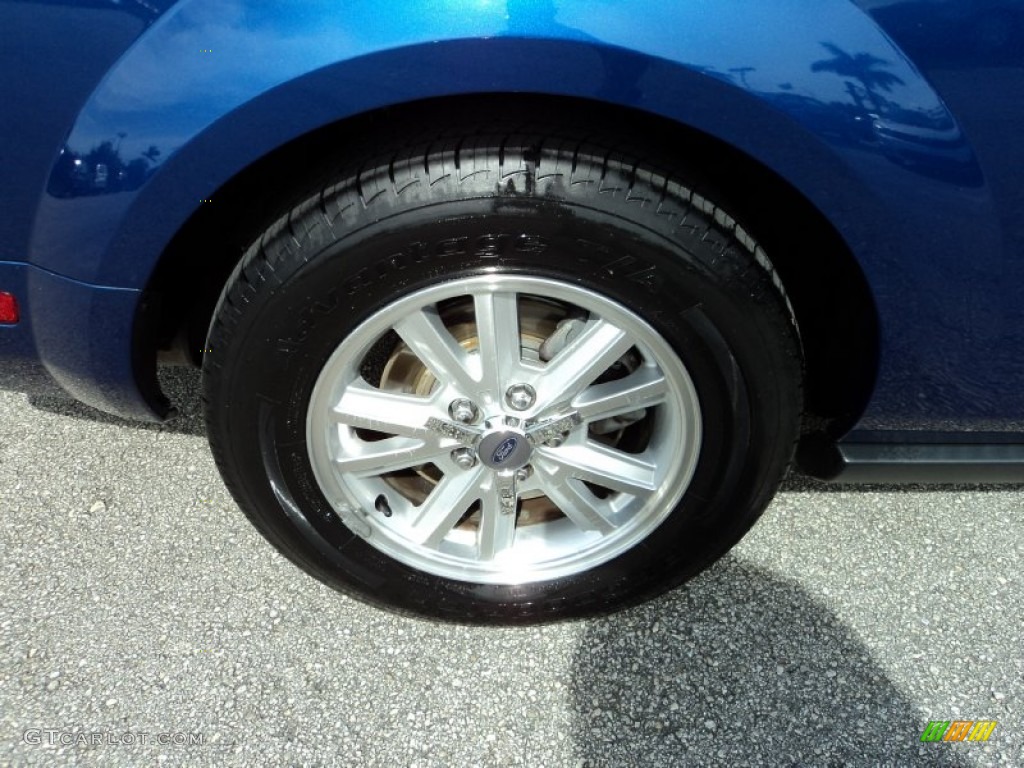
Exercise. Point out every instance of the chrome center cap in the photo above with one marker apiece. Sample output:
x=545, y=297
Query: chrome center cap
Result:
x=505, y=450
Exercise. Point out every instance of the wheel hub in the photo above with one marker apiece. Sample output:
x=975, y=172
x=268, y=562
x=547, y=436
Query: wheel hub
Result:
x=505, y=450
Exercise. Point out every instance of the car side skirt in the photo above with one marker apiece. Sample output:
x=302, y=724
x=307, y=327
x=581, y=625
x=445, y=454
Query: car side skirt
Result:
x=929, y=464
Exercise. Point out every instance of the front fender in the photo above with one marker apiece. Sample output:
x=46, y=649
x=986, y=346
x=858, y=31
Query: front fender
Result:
x=213, y=86
x=813, y=91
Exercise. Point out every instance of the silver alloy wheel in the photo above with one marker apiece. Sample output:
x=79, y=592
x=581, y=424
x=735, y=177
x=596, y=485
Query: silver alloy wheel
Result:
x=503, y=429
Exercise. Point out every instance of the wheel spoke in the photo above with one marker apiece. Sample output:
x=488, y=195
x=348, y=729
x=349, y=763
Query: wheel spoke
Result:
x=497, y=325
x=445, y=506
x=392, y=413
x=577, y=503
x=644, y=388
x=369, y=459
x=607, y=467
x=497, y=525
x=436, y=348
x=586, y=358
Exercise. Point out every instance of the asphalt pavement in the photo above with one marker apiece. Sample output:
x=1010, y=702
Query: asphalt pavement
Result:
x=143, y=622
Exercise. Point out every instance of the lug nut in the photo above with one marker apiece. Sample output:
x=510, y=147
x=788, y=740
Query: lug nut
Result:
x=520, y=396
x=554, y=442
x=524, y=473
x=464, y=458
x=463, y=411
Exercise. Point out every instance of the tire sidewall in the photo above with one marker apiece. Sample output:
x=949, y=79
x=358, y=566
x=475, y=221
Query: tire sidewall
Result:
x=732, y=354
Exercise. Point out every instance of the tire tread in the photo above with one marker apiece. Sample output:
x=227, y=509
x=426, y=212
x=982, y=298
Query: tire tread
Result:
x=584, y=167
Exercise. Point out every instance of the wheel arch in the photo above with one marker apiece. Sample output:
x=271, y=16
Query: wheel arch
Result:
x=831, y=299
x=221, y=132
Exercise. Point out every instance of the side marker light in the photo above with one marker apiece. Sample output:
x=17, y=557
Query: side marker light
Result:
x=8, y=308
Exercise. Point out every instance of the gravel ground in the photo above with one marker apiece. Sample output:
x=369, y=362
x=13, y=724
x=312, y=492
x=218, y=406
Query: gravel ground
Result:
x=136, y=604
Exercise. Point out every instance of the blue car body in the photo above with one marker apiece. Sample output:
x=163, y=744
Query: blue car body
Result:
x=897, y=122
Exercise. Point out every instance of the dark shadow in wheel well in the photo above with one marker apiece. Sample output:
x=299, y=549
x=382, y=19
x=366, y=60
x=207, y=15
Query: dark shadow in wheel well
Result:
x=830, y=296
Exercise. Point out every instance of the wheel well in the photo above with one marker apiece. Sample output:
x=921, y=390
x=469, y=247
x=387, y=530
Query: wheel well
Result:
x=831, y=298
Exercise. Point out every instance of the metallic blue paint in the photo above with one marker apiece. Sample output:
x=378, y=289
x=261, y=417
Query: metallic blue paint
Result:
x=895, y=118
x=85, y=341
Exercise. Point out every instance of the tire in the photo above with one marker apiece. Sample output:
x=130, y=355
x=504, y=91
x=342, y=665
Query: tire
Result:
x=504, y=378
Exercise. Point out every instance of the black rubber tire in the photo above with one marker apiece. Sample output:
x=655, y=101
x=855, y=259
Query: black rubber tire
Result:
x=546, y=204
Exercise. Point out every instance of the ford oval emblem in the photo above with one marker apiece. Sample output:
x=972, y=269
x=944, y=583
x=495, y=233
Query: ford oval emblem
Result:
x=504, y=450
